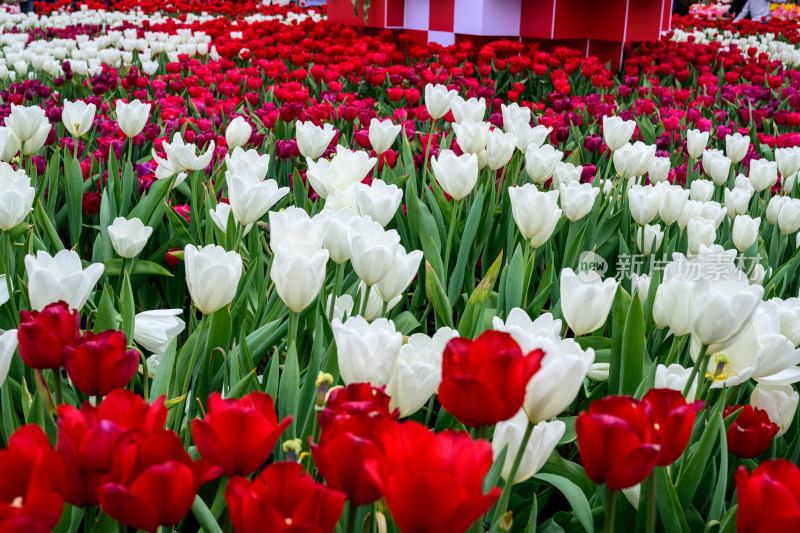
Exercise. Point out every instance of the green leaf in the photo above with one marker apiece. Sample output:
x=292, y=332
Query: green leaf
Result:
x=180, y=227
x=74, y=201
x=514, y=280
x=493, y=475
x=204, y=517
x=106, y=313
x=140, y=267
x=669, y=508
x=696, y=460
x=437, y=297
x=473, y=313
x=575, y=497
x=48, y=230
x=145, y=209
x=288, y=392
x=128, y=308
x=162, y=380
x=619, y=314
x=467, y=241
x=127, y=188
x=633, y=343
x=219, y=331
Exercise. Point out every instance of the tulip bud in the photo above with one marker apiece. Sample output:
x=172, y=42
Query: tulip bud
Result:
x=696, y=143
x=586, y=299
x=132, y=117
x=542, y=442
x=221, y=214
x=212, y=276
x=700, y=231
x=402, y=273
x=744, y=232
x=8, y=345
x=78, y=117
x=737, y=201
x=471, y=136
x=659, y=168
x=577, y=199
x=648, y=238
x=535, y=212
x=763, y=174
x=30, y=126
x=9, y=144
x=378, y=200
x=16, y=200
x=617, y=132
x=367, y=351
x=701, y=190
x=457, y=175
x=499, y=148
x=237, y=133
x=513, y=113
x=644, y=201
x=250, y=197
x=540, y=162
x=788, y=160
x=438, y=100
x=789, y=216
x=128, y=237
x=566, y=173
x=298, y=269
x=312, y=140
x=736, y=146
x=372, y=250
x=672, y=200
x=382, y=134
x=716, y=166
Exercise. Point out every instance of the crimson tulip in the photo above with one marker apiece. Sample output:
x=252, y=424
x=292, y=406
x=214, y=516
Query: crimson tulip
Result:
x=100, y=363
x=154, y=482
x=42, y=335
x=91, y=438
x=769, y=498
x=752, y=431
x=617, y=441
x=483, y=381
x=432, y=482
x=673, y=421
x=31, y=484
x=282, y=498
x=239, y=435
x=357, y=399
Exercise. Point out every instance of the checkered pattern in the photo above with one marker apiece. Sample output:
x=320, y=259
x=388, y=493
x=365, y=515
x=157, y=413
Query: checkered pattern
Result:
x=599, y=27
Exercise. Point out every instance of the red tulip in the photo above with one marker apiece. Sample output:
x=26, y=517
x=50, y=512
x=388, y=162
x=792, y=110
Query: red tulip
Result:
x=42, y=335
x=100, y=363
x=749, y=436
x=31, y=483
x=282, y=498
x=154, y=482
x=483, y=381
x=769, y=498
x=432, y=482
x=673, y=421
x=91, y=438
x=239, y=435
x=357, y=399
x=617, y=441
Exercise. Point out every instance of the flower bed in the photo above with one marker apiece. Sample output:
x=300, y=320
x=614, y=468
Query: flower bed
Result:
x=265, y=273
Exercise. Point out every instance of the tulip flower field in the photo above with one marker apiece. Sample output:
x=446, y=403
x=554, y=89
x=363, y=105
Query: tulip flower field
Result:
x=264, y=273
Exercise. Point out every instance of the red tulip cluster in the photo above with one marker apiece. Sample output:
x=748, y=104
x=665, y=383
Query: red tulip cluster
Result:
x=621, y=439
x=96, y=363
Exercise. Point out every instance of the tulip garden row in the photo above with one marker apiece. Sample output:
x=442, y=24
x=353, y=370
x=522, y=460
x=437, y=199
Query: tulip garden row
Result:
x=261, y=273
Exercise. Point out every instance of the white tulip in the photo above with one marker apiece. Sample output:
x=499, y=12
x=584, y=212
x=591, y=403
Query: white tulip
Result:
x=701, y=190
x=788, y=312
x=379, y=200
x=649, y=238
x=438, y=100
x=737, y=201
x=181, y=157
x=30, y=126
x=527, y=135
x=499, y=148
x=367, y=352
x=672, y=200
x=566, y=173
x=250, y=197
x=374, y=303
x=312, y=140
x=237, y=133
x=404, y=269
x=530, y=334
x=16, y=198
x=763, y=174
x=60, y=278
x=774, y=208
x=382, y=134
x=696, y=142
x=418, y=371
x=745, y=232
x=372, y=250
x=239, y=160
x=78, y=117
x=221, y=214
x=9, y=144
x=788, y=160
x=535, y=212
x=457, y=175
x=780, y=403
x=513, y=113
x=8, y=345
x=789, y=216
x=471, y=136
x=700, y=231
x=155, y=330
x=640, y=283
x=298, y=271
x=644, y=202
x=675, y=377
x=659, y=168
x=541, y=444
x=716, y=166
x=293, y=226
x=132, y=117
x=336, y=227
x=633, y=160
x=577, y=199
x=128, y=237
x=736, y=147
x=540, y=162
x=586, y=299
x=345, y=169
x=212, y=276
x=467, y=110
x=617, y=132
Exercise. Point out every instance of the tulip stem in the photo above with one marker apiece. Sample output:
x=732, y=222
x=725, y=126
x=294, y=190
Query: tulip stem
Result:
x=384, y=309
x=365, y=301
x=9, y=270
x=611, y=510
x=450, y=231
x=337, y=286
x=701, y=358
x=428, y=153
x=652, y=510
x=57, y=386
x=429, y=410
x=294, y=319
x=352, y=516
x=505, y=496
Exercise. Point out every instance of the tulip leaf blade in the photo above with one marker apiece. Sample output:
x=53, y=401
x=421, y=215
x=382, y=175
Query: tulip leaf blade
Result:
x=467, y=240
x=718, y=500
x=128, y=307
x=514, y=280
x=437, y=297
x=288, y=388
x=74, y=201
x=160, y=385
x=180, y=227
x=471, y=322
x=106, y=313
x=204, y=516
x=127, y=188
x=575, y=497
x=141, y=267
x=146, y=208
x=619, y=315
x=493, y=475
x=696, y=458
x=47, y=227
x=633, y=347
x=669, y=507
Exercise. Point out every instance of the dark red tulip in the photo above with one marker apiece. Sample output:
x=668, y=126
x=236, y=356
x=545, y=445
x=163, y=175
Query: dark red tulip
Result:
x=617, y=442
x=673, y=421
x=282, y=498
x=42, y=335
x=154, y=482
x=91, y=438
x=357, y=399
x=90, y=202
x=239, y=435
x=432, y=482
x=752, y=431
x=31, y=484
x=769, y=498
x=100, y=363
x=483, y=381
